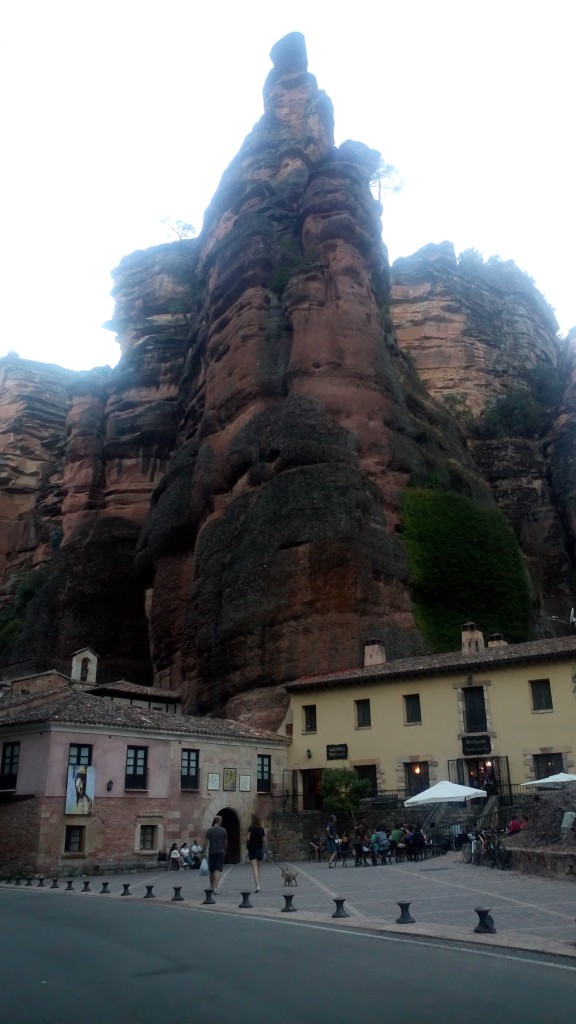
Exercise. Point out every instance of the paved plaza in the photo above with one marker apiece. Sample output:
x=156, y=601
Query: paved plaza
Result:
x=530, y=913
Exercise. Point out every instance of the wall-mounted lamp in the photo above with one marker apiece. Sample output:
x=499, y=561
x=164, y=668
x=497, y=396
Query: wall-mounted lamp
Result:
x=109, y=786
x=417, y=770
x=308, y=752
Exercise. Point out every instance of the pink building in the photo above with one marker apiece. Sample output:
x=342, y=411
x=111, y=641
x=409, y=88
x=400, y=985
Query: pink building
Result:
x=99, y=780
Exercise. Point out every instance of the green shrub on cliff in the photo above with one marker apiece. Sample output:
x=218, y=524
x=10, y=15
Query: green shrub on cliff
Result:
x=12, y=615
x=465, y=565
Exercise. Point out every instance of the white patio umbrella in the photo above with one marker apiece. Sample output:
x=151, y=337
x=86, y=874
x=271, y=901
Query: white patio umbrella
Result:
x=444, y=792
x=553, y=780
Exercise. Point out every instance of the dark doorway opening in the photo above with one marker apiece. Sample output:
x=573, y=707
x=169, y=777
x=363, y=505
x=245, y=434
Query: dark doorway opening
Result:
x=311, y=795
x=231, y=823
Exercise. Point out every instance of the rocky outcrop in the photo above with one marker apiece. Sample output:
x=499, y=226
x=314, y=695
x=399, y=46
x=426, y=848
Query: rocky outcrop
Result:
x=271, y=548
x=33, y=410
x=229, y=497
x=472, y=336
x=475, y=338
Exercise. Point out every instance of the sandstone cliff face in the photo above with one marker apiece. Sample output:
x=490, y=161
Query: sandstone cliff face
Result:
x=229, y=496
x=470, y=342
x=271, y=549
x=105, y=438
x=473, y=343
x=33, y=409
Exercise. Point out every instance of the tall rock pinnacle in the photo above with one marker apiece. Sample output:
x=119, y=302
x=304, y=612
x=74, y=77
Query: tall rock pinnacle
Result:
x=271, y=549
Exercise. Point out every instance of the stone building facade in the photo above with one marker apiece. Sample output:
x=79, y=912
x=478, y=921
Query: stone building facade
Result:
x=88, y=783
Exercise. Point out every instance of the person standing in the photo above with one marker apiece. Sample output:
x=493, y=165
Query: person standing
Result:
x=215, y=848
x=331, y=837
x=255, y=844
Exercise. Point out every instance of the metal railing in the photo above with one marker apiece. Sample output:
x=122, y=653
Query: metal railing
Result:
x=136, y=780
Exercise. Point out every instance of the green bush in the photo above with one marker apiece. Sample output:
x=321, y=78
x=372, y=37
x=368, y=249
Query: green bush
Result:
x=12, y=616
x=465, y=565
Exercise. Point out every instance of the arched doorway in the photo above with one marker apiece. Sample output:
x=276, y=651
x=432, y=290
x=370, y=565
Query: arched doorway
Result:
x=231, y=823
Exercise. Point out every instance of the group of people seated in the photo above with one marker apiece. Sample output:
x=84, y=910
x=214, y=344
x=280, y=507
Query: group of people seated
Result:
x=185, y=857
x=372, y=847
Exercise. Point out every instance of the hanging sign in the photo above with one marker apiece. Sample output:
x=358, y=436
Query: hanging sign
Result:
x=337, y=752
x=474, y=746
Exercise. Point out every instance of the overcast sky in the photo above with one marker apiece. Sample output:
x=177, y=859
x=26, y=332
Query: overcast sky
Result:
x=122, y=112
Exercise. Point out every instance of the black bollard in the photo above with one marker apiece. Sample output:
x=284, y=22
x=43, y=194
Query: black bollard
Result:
x=485, y=924
x=405, y=917
x=105, y=888
x=18, y=881
x=209, y=896
x=29, y=881
x=177, y=897
x=149, y=893
x=340, y=912
x=125, y=889
x=288, y=908
x=245, y=901
x=86, y=886
x=69, y=885
x=40, y=883
x=54, y=884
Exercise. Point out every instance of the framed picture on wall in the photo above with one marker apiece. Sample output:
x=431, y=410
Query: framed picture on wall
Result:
x=244, y=784
x=213, y=780
x=229, y=780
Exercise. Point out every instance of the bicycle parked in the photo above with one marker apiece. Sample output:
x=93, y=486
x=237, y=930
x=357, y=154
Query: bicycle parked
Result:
x=485, y=847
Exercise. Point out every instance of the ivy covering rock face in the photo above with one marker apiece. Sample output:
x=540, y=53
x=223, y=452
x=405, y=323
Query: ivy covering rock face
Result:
x=465, y=564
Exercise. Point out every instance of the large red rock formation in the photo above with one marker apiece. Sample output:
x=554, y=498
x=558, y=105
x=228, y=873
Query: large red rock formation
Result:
x=271, y=548
x=252, y=446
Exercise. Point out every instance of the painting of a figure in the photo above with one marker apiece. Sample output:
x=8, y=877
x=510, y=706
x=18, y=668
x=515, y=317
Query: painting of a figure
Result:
x=80, y=789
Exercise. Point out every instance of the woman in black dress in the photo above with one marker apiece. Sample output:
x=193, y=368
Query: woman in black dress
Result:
x=255, y=846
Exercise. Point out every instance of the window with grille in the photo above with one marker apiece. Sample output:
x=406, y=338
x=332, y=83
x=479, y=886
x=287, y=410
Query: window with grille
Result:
x=148, y=837
x=547, y=764
x=363, y=715
x=74, y=841
x=79, y=755
x=412, y=712
x=309, y=711
x=541, y=695
x=136, y=768
x=474, y=709
x=189, y=774
x=264, y=773
x=9, y=766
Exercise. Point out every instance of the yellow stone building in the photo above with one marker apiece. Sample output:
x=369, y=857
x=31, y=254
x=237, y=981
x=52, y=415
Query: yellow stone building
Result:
x=490, y=716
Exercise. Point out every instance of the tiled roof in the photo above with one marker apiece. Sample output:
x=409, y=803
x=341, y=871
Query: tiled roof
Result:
x=453, y=663
x=86, y=709
x=134, y=690
x=29, y=698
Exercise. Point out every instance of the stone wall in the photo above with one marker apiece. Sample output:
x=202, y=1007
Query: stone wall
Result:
x=18, y=835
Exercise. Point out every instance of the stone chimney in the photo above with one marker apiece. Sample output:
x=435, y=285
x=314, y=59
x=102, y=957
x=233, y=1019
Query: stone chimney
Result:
x=472, y=638
x=497, y=640
x=374, y=653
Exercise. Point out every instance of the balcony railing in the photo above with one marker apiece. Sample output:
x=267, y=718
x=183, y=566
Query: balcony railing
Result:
x=8, y=781
x=136, y=780
x=189, y=782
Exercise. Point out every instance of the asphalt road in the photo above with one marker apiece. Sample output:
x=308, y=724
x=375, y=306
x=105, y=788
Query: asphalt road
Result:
x=102, y=961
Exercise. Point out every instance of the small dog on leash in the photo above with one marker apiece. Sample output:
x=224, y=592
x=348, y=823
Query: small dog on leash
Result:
x=289, y=876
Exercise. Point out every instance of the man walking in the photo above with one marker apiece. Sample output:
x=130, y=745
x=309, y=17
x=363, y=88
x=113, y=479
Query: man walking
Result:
x=215, y=848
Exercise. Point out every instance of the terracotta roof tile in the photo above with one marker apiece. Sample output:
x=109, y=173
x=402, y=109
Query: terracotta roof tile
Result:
x=455, y=662
x=87, y=709
x=123, y=686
